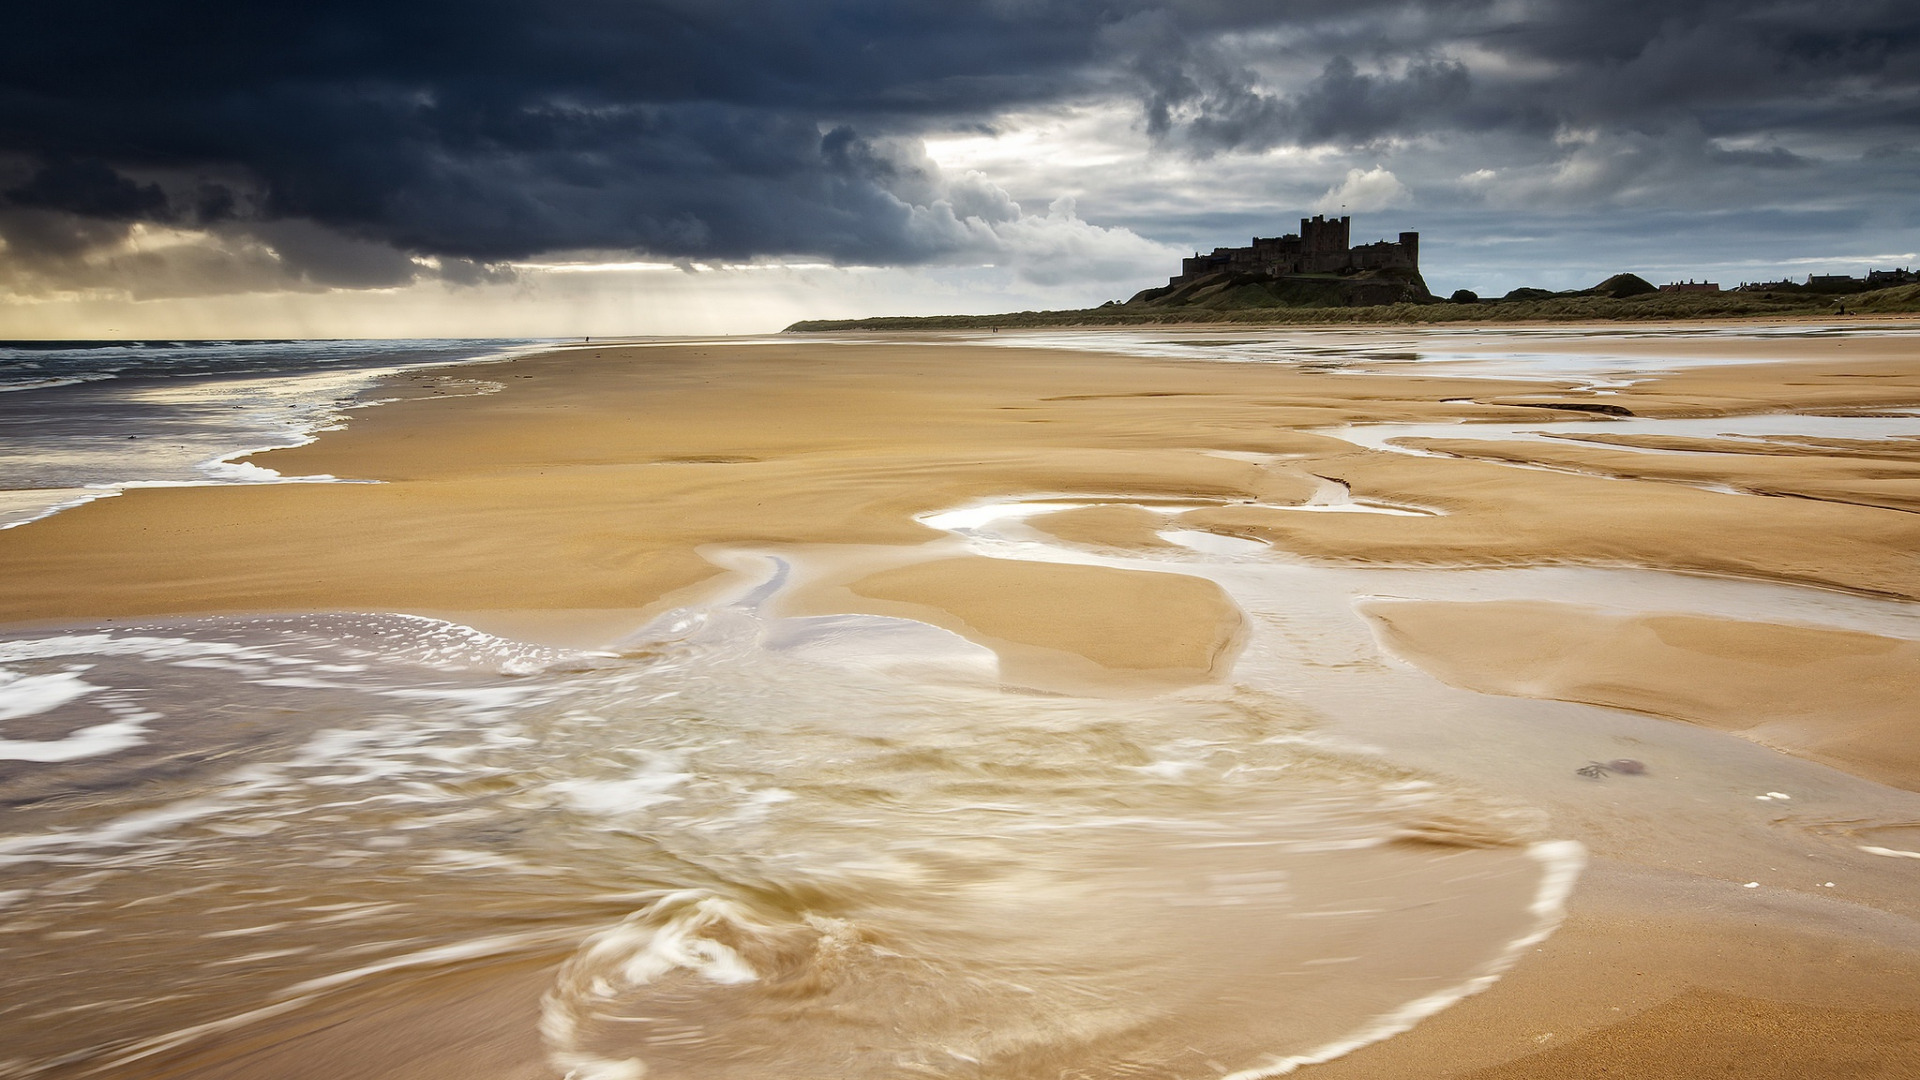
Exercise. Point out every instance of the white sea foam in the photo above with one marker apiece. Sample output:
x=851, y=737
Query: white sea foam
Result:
x=142, y=645
x=26, y=695
x=91, y=741
x=53, y=382
x=182, y=415
x=23, y=507
x=245, y=472
x=669, y=934
x=23, y=695
x=648, y=785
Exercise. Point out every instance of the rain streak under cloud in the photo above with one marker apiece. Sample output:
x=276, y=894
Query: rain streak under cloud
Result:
x=424, y=161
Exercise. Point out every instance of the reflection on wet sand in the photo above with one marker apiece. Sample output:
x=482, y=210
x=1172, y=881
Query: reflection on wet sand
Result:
x=1046, y=714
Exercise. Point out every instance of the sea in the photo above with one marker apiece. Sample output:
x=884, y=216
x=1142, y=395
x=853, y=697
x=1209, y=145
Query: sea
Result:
x=739, y=844
x=82, y=420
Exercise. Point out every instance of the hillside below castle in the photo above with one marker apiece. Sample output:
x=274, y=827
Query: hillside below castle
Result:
x=1316, y=267
x=1318, y=276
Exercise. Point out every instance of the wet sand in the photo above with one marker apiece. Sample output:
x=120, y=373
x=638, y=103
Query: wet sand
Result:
x=1837, y=696
x=593, y=488
x=1651, y=977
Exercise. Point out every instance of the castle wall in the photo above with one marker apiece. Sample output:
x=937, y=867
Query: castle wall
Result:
x=1322, y=247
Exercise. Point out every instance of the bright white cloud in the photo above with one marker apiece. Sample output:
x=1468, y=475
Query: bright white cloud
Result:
x=1363, y=190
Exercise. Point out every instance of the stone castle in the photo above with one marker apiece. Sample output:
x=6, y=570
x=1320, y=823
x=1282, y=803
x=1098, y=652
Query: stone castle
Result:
x=1321, y=247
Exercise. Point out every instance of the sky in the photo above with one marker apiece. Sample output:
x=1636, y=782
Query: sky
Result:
x=423, y=168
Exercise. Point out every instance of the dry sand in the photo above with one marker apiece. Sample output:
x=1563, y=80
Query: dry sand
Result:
x=579, y=497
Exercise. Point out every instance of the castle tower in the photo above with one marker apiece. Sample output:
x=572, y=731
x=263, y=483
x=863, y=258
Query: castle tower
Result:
x=1323, y=236
x=1411, y=242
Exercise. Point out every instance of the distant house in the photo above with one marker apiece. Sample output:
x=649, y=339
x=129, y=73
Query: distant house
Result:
x=1691, y=285
x=1836, y=283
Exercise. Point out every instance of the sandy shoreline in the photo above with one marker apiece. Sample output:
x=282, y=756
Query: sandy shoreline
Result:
x=587, y=493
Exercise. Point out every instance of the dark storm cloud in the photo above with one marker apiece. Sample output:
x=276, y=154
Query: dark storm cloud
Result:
x=1410, y=69
x=503, y=129
x=1211, y=106
x=1734, y=66
x=89, y=189
x=434, y=134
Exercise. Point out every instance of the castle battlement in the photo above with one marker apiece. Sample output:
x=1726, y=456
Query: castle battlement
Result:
x=1321, y=247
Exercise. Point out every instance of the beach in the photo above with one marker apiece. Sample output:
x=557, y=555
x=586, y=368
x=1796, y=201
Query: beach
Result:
x=1360, y=702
